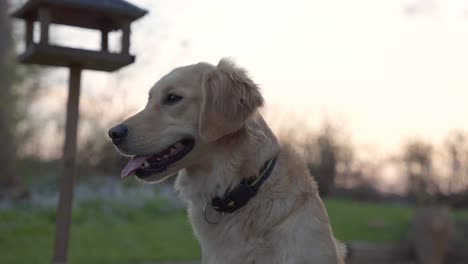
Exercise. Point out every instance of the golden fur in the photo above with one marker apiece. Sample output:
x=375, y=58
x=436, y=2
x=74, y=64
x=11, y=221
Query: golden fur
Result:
x=286, y=221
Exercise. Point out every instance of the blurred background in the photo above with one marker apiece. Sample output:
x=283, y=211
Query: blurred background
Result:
x=373, y=92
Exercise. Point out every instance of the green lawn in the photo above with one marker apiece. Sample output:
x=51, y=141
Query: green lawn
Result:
x=367, y=221
x=100, y=235
x=111, y=233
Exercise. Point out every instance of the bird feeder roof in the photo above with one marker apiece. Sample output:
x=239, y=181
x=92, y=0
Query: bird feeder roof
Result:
x=93, y=14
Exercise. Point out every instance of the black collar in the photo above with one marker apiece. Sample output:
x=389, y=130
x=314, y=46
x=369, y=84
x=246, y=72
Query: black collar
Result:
x=242, y=193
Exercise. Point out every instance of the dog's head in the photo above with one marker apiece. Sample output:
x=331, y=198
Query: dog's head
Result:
x=188, y=111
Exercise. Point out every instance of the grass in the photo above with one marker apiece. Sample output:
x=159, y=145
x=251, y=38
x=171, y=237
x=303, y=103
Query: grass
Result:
x=111, y=233
x=100, y=234
x=368, y=221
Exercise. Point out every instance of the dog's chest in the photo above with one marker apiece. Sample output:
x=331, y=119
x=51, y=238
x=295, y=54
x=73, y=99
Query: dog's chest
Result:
x=227, y=241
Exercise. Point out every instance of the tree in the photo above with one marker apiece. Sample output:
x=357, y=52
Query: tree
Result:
x=13, y=103
x=325, y=151
x=8, y=149
x=324, y=170
x=417, y=160
x=457, y=149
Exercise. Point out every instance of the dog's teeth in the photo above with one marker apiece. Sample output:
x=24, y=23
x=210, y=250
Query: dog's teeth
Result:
x=166, y=155
x=146, y=164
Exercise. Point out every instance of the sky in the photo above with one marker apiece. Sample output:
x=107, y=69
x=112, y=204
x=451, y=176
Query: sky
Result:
x=385, y=70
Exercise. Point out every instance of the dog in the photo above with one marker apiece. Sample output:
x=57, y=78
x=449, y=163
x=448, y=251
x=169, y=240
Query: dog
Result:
x=250, y=199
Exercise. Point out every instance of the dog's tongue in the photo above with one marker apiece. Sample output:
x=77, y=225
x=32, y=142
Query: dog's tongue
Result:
x=133, y=165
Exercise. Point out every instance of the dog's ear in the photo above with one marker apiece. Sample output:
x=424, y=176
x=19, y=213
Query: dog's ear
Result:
x=229, y=98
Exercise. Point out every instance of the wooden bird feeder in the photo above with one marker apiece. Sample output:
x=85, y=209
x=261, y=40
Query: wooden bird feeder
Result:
x=102, y=15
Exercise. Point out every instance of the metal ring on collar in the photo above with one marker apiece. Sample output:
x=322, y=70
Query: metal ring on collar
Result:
x=213, y=222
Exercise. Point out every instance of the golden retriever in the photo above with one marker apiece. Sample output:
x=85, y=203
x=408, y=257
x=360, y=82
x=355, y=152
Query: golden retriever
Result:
x=203, y=122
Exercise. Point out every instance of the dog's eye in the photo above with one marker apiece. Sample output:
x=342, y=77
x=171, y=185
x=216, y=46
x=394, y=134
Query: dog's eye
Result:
x=172, y=99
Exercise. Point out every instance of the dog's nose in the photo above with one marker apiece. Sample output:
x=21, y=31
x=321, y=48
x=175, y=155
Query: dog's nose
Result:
x=118, y=133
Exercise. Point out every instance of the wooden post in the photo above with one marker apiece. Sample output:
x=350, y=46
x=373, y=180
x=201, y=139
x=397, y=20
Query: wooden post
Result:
x=126, y=38
x=44, y=20
x=29, y=32
x=432, y=233
x=64, y=209
x=104, y=40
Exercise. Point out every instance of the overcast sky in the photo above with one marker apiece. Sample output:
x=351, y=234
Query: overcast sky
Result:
x=387, y=75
